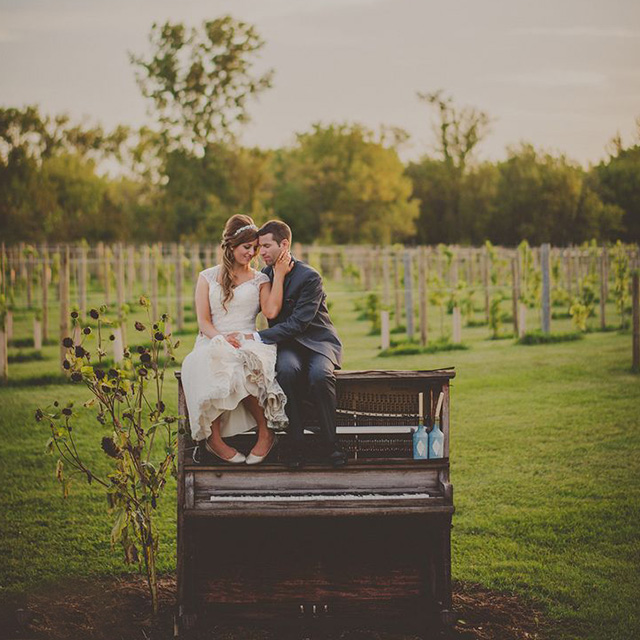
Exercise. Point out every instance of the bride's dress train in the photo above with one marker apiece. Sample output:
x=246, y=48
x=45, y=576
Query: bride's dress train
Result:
x=216, y=376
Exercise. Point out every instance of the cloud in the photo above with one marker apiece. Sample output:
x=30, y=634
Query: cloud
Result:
x=579, y=32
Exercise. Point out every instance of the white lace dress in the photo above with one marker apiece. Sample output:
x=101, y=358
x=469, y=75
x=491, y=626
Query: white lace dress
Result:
x=216, y=376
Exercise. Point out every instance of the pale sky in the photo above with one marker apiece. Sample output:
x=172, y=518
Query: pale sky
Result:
x=562, y=74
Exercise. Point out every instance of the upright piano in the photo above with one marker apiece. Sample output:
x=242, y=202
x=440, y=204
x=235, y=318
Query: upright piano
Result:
x=364, y=544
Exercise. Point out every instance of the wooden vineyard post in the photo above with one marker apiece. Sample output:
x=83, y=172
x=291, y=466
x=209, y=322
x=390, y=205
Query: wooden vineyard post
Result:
x=22, y=263
x=120, y=291
x=396, y=289
x=120, y=294
x=384, y=330
x=408, y=293
x=422, y=292
x=4, y=341
x=145, y=269
x=456, y=335
x=100, y=264
x=168, y=268
x=569, y=253
x=4, y=350
x=386, y=300
x=107, y=276
x=37, y=333
x=179, y=309
x=604, y=293
x=3, y=278
x=82, y=281
x=8, y=290
x=45, y=293
x=28, y=276
x=64, y=299
x=195, y=262
x=118, y=345
x=365, y=270
x=635, y=297
x=485, y=281
x=515, y=276
x=154, y=284
x=131, y=271
x=546, y=289
x=456, y=317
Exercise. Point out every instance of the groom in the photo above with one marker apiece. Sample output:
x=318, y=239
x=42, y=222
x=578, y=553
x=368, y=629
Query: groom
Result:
x=309, y=349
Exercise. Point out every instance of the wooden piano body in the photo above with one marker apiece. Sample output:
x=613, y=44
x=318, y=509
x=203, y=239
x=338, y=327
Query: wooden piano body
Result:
x=321, y=545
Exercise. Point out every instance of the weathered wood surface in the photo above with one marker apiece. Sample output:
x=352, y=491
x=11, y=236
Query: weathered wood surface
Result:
x=335, y=558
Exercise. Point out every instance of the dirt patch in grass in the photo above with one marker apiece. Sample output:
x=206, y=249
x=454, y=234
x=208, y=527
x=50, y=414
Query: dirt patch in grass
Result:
x=120, y=610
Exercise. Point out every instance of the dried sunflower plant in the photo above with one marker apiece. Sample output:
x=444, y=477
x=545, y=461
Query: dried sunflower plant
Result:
x=140, y=439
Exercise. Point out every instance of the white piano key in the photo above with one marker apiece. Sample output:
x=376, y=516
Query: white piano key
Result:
x=309, y=497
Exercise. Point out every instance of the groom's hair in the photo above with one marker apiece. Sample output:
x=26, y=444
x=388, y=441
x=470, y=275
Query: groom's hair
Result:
x=279, y=230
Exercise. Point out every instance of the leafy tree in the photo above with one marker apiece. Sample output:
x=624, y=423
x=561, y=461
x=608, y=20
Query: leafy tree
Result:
x=545, y=198
x=49, y=187
x=431, y=187
x=617, y=181
x=458, y=132
x=341, y=184
x=478, y=203
x=77, y=198
x=199, y=80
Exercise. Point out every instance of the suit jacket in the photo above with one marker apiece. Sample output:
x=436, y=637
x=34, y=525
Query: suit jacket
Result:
x=304, y=317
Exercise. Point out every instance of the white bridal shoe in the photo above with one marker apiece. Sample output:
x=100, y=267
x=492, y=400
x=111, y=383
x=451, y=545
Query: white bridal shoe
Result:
x=254, y=459
x=237, y=458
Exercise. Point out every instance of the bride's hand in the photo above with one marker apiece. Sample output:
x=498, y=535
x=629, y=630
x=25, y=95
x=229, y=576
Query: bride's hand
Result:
x=283, y=264
x=233, y=339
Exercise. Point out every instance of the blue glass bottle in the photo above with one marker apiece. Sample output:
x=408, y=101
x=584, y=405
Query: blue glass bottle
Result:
x=420, y=441
x=436, y=440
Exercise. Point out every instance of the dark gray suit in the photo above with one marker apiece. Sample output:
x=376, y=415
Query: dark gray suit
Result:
x=309, y=349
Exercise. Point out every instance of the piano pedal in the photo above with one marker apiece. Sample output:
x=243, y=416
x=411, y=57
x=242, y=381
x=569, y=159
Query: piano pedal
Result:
x=314, y=611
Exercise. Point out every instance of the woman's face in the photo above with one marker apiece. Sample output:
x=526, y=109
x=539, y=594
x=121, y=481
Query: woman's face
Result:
x=244, y=253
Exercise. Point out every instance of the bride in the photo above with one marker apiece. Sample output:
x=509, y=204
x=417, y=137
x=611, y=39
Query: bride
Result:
x=229, y=381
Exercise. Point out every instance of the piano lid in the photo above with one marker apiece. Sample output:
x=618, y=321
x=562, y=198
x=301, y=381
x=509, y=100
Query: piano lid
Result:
x=376, y=374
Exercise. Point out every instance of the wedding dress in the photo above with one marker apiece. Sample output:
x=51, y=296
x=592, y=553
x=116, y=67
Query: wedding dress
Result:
x=216, y=376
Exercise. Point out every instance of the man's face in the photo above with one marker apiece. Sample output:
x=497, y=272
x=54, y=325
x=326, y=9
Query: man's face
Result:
x=270, y=249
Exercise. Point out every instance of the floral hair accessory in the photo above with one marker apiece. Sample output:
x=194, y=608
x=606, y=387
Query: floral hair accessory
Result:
x=247, y=226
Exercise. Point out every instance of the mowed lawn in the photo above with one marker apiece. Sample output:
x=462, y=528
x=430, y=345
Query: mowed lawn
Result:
x=545, y=466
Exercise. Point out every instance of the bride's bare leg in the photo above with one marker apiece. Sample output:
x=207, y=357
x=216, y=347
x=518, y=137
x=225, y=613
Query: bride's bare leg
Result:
x=265, y=435
x=218, y=444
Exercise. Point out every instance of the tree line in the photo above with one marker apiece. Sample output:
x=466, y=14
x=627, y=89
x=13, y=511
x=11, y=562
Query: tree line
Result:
x=337, y=183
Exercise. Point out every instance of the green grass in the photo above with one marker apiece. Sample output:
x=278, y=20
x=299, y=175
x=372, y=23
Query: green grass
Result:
x=537, y=337
x=411, y=347
x=25, y=356
x=545, y=457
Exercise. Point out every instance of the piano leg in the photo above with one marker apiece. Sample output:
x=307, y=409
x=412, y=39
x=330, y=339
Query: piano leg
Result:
x=443, y=580
x=435, y=615
x=186, y=618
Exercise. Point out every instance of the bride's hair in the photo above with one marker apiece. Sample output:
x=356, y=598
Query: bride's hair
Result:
x=238, y=230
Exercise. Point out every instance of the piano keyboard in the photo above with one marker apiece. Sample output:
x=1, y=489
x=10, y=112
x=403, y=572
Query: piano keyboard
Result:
x=307, y=497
